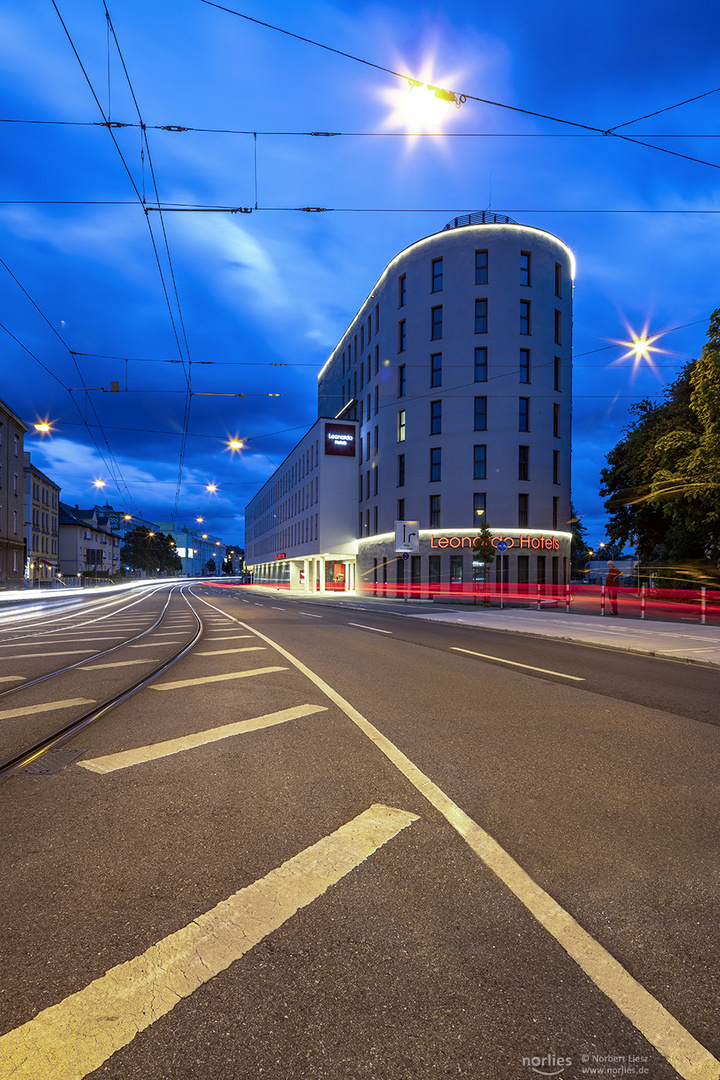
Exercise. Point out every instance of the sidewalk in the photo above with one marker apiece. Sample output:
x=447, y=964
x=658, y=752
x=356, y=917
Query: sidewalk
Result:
x=689, y=641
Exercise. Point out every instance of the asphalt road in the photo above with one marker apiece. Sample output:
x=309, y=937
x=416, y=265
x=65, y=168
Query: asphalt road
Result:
x=540, y=898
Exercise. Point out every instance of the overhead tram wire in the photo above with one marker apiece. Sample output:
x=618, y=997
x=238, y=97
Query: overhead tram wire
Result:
x=459, y=97
x=188, y=373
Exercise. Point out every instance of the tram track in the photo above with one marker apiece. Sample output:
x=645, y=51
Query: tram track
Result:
x=33, y=749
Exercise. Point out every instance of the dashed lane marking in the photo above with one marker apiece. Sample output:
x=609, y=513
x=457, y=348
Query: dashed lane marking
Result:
x=150, y=645
x=216, y=678
x=46, y=706
x=224, y=652
x=55, y=652
x=76, y=1036
x=13, y=678
x=125, y=758
x=361, y=627
x=682, y=1050
x=309, y=614
x=118, y=663
x=229, y=637
x=528, y=667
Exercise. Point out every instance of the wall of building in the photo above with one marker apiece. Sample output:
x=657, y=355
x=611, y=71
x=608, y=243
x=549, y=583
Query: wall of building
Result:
x=12, y=509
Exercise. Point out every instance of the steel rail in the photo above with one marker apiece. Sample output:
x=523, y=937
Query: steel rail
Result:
x=24, y=757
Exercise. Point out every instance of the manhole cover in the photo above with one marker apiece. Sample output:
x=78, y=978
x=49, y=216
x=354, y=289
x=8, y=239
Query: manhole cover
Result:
x=52, y=761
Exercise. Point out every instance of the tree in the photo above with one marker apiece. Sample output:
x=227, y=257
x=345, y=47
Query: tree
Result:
x=151, y=552
x=579, y=551
x=209, y=567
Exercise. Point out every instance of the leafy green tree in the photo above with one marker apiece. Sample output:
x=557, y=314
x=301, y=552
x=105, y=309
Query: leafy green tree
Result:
x=483, y=551
x=209, y=567
x=151, y=552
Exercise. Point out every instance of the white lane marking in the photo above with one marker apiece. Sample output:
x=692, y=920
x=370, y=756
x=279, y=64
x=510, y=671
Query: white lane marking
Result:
x=59, y=652
x=215, y=678
x=75, y=1037
x=13, y=678
x=310, y=614
x=117, y=663
x=125, y=758
x=154, y=645
x=361, y=627
x=46, y=706
x=685, y=1054
x=528, y=667
x=224, y=652
x=229, y=637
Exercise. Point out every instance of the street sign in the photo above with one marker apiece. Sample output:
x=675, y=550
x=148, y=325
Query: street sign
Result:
x=407, y=536
x=502, y=545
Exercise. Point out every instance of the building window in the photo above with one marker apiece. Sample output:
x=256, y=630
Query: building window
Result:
x=480, y=414
x=362, y=337
x=524, y=414
x=524, y=365
x=375, y=519
x=401, y=510
x=436, y=323
x=558, y=327
x=377, y=318
x=435, y=463
x=367, y=484
x=481, y=317
x=556, y=373
x=479, y=508
x=523, y=569
x=525, y=263
x=436, y=369
x=435, y=417
x=437, y=275
x=377, y=399
x=376, y=441
x=558, y=279
x=523, y=510
x=556, y=420
x=401, y=470
x=524, y=316
x=523, y=462
x=434, y=511
x=481, y=267
x=480, y=462
x=402, y=335
x=434, y=569
x=401, y=426
x=401, y=381
x=369, y=329
x=402, y=295
x=556, y=466
x=481, y=364
x=556, y=511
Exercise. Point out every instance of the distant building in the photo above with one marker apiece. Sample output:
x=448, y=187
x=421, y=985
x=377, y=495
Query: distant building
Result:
x=42, y=498
x=87, y=547
x=12, y=509
x=196, y=550
x=457, y=374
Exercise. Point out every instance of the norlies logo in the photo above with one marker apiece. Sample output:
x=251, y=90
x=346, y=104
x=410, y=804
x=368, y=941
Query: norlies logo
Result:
x=547, y=1065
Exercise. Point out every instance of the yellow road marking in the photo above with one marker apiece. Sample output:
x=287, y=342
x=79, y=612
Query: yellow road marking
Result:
x=118, y=663
x=75, y=1037
x=529, y=667
x=125, y=758
x=154, y=645
x=55, y=652
x=46, y=706
x=215, y=678
x=13, y=678
x=685, y=1054
x=223, y=652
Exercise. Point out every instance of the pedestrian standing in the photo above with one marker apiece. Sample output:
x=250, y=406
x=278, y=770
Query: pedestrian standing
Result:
x=612, y=582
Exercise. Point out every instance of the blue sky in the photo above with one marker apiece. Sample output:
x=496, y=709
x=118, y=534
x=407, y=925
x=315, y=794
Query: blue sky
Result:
x=90, y=294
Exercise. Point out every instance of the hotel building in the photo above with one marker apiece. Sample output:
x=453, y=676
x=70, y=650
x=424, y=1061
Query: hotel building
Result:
x=457, y=374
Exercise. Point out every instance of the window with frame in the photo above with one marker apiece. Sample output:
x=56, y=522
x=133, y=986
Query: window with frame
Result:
x=480, y=420
x=400, y=510
x=525, y=268
x=558, y=327
x=401, y=470
x=556, y=420
x=436, y=369
x=402, y=293
x=523, y=510
x=524, y=414
x=434, y=511
x=362, y=337
x=557, y=369
x=402, y=335
x=377, y=400
x=523, y=462
x=480, y=462
x=524, y=316
x=401, y=425
x=524, y=365
x=555, y=511
x=436, y=323
x=435, y=417
x=558, y=279
x=479, y=508
x=435, y=463
x=401, y=381
x=481, y=316
x=376, y=480
x=481, y=267
x=556, y=466
x=481, y=368
x=376, y=440
x=437, y=275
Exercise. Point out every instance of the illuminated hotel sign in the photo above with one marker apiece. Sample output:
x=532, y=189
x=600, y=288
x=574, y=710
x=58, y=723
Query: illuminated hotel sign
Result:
x=340, y=440
x=534, y=543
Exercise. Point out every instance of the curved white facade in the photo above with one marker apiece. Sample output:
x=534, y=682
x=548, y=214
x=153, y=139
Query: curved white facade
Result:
x=458, y=369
